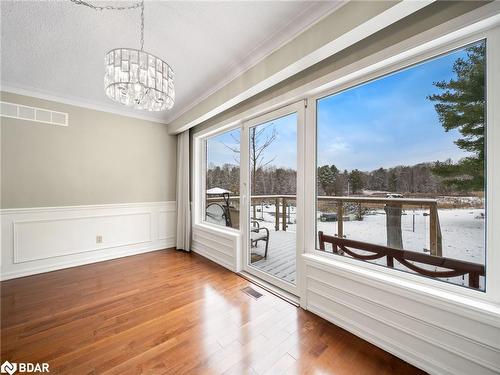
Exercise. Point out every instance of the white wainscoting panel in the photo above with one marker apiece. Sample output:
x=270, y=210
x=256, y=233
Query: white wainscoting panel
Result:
x=218, y=245
x=166, y=223
x=42, y=239
x=439, y=338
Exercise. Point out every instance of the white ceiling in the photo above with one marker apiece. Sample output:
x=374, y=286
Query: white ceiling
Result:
x=57, y=48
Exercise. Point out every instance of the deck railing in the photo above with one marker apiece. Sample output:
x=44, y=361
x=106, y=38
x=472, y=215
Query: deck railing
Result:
x=406, y=258
x=281, y=204
x=435, y=237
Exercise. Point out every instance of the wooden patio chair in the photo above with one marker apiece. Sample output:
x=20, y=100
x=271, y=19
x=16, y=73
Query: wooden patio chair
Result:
x=220, y=214
x=258, y=233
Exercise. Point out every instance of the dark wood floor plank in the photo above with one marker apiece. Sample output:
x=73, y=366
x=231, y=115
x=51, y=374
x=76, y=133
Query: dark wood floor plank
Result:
x=170, y=312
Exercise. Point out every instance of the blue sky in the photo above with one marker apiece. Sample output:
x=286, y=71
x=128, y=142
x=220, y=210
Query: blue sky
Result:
x=388, y=122
x=382, y=123
x=217, y=152
x=283, y=149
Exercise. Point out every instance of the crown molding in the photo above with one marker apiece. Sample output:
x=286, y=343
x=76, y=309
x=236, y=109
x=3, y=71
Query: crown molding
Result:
x=74, y=101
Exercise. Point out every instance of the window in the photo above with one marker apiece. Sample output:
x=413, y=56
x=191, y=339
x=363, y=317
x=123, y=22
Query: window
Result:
x=400, y=175
x=223, y=179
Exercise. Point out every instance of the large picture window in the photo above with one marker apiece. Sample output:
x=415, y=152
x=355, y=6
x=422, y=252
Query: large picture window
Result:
x=222, y=179
x=401, y=169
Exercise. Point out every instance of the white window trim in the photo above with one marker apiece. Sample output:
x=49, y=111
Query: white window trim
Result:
x=455, y=33
x=199, y=177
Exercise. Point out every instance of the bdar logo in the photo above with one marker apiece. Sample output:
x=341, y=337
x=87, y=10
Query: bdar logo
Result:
x=8, y=367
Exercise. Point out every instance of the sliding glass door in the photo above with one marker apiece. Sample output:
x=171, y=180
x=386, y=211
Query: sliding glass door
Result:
x=271, y=169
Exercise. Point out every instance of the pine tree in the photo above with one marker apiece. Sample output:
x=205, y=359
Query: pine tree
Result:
x=461, y=106
x=327, y=176
x=356, y=180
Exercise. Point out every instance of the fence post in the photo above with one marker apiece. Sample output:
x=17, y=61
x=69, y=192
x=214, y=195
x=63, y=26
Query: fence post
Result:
x=393, y=225
x=435, y=231
x=360, y=212
x=439, y=235
x=474, y=280
x=283, y=213
x=277, y=215
x=321, y=241
x=340, y=219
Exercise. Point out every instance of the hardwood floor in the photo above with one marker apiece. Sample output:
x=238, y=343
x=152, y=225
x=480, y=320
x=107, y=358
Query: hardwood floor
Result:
x=169, y=312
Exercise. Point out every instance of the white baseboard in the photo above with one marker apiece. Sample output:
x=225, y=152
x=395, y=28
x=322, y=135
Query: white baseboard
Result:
x=160, y=245
x=42, y=239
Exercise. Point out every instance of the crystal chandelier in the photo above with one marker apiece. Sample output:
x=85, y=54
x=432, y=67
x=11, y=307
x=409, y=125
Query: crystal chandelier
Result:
x=134, y=77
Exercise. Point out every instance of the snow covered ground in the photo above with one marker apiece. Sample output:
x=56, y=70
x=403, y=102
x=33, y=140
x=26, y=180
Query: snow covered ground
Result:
x=462, y=229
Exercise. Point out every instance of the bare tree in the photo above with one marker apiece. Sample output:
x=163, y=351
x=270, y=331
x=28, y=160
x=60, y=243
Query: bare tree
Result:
x=234, y=149
x=260, y=139
x=259, y=142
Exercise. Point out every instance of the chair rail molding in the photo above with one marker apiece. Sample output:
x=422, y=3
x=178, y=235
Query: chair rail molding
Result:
x=42, y=239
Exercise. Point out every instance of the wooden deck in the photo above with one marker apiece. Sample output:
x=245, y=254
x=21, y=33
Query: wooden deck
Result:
x=281, y=256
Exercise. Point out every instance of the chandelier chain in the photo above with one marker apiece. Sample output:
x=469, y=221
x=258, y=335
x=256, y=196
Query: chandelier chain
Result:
x=139, y=4
x=108, y=7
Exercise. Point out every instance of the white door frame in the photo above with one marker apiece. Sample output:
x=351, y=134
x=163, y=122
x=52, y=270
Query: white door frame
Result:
x=299, y=108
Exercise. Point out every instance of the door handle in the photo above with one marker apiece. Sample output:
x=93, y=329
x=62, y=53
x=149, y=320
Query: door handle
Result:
x=244, y=191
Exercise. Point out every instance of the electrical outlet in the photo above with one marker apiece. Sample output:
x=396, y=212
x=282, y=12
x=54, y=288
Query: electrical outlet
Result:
x=98, y=239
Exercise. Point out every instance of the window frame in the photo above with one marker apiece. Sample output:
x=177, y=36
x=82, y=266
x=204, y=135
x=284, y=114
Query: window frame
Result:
x=200, y=175
x=299, y=110
x=383, y=66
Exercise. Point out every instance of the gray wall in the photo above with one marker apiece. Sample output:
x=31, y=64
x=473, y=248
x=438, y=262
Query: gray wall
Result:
x=99, y=158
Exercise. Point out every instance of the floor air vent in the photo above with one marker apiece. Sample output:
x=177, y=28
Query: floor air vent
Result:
x=252, y=292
